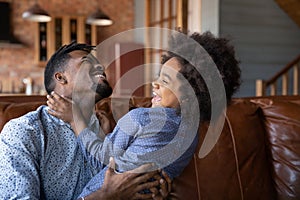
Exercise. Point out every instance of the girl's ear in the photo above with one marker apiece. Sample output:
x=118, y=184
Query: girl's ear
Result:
x=60, y=77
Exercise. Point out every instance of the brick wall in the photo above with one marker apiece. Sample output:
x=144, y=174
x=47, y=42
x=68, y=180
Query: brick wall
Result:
x=17, y=63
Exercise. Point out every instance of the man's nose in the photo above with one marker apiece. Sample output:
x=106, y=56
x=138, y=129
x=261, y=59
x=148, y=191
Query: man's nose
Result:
x=99, y=67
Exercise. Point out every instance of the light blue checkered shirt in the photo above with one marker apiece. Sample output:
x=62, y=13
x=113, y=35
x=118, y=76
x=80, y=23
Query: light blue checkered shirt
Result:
x=41, y=159
x=143, y=135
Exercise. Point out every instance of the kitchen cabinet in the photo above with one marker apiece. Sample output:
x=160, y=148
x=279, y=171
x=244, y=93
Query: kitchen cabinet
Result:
x=59, y=31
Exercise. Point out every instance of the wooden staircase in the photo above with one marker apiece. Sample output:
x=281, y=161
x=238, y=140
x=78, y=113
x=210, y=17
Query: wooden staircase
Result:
x=288, y=87
x=291, y=7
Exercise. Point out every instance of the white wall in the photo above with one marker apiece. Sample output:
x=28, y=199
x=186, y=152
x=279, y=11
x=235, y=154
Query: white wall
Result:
x=139, y=19
x=265, y=38
x=210, y=16
x=194, y=15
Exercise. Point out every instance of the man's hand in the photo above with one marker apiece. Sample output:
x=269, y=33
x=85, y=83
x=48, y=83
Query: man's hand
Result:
x=165, y=187
x=119, y=186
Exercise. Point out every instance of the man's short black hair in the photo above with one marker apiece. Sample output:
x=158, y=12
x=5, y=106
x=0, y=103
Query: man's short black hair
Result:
x=59, y=60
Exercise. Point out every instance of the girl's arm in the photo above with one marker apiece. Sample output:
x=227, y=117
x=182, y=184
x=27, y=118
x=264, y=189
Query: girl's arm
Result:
x=96, y=149
x=65, y=109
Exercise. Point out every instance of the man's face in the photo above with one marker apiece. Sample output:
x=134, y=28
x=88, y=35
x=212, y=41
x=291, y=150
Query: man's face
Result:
x=86, y=77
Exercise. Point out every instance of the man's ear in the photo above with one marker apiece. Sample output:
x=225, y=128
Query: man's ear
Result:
x=60, y=77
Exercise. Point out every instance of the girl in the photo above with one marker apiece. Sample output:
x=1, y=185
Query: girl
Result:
x=167, y=133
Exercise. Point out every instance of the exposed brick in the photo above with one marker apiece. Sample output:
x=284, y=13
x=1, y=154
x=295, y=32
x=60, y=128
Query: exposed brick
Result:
x=18, y=63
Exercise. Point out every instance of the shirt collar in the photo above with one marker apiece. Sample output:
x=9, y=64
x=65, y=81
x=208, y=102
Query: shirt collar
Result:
x=93, y=122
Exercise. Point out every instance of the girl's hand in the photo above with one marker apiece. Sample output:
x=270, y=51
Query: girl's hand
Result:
x=60, y=107
x=65, y=109
x=106, y=123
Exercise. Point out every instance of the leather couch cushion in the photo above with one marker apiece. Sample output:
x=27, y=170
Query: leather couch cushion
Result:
x=224, y=172
x=12, y=106
x=10, y=110
x=282, y=123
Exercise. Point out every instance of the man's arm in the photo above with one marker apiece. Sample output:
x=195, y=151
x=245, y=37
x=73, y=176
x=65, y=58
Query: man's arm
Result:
x=18, y=167
x=127, y=185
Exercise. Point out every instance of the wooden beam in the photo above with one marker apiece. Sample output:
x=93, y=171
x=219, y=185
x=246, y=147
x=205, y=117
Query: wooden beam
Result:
x=50, y=38
x=296, y=79
x=94, y=35
x=170, y=14
x=148, y=70
x=66, y=38
x=81, y=29
x=36, y=44
x=185, y=14
x=285, y=84
x=260, y=89
x=273, y=88
x=179, y=14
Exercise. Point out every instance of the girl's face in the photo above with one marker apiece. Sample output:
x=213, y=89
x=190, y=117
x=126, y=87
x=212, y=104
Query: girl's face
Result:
x=166, y=87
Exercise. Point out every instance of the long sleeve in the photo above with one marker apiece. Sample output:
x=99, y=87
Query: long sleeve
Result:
x=144, y=135
x=98, y=151
x=40, y=159
x=19, y=163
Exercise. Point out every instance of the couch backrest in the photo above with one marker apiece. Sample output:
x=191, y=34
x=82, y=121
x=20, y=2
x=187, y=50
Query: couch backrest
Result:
x=237, y=166
x=18, y=105
x=256, y=156
x=281, y=118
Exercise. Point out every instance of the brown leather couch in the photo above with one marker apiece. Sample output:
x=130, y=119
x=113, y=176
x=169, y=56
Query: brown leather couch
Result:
x=257, y=155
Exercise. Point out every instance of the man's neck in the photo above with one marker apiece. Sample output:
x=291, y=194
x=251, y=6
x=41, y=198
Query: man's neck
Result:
x=87, y=109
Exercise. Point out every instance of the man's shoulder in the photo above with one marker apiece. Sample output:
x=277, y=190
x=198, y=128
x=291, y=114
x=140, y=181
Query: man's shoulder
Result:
x=27, y=121
x=39, y=113
x=24, y=130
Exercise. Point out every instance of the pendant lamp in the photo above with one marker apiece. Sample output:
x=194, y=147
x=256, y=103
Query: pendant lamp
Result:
x=36, y=14
x=99, y=18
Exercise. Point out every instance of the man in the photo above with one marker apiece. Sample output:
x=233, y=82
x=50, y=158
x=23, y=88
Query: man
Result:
x=40, y=155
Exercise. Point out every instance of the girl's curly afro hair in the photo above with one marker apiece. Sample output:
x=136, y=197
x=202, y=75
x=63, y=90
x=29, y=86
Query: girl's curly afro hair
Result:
x=217, y=51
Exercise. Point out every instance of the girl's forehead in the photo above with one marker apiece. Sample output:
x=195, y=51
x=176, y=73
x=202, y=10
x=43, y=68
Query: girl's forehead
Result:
x=171, y=65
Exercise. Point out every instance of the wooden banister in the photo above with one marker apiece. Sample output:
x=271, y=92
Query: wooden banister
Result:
x=263, y=85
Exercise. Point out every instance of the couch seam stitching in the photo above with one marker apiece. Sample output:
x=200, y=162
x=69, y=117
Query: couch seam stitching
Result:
x=197, y=176
x=236, y=158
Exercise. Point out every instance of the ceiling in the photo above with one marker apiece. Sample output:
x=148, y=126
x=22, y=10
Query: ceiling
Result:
x=292, y=8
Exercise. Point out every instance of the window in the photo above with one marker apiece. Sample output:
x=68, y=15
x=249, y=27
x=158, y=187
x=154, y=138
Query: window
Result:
x=168, y=14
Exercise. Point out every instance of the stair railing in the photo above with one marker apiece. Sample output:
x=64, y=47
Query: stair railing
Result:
x=263, y=85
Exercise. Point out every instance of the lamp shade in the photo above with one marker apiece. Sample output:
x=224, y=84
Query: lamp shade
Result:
x=99, y=18
x=36, y=14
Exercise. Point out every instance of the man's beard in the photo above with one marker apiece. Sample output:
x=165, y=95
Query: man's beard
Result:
x=102, y=89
